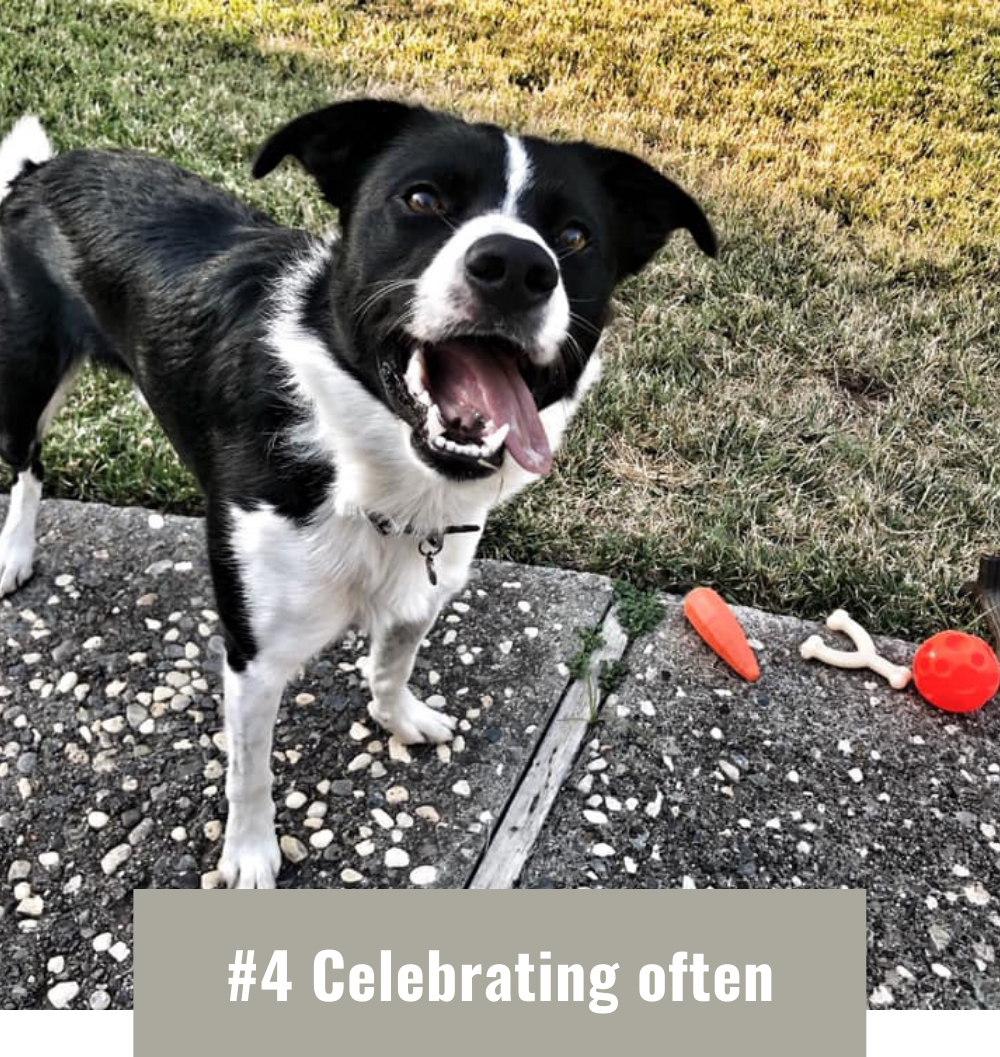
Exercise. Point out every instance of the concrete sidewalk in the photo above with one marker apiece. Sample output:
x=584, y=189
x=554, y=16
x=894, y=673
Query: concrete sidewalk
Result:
x=112, y=770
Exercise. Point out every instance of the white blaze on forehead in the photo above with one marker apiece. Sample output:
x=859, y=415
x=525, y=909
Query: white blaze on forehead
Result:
x=444, y=303
x=518, y=173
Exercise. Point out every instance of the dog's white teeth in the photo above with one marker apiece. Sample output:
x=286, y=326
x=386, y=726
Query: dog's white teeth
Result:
x=491, y=444
x=437, y=439
x=474, y=451
x=416, y=377
x=435, y=422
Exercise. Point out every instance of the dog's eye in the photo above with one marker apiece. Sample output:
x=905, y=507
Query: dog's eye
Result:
x=423, y=199
x=572, y=238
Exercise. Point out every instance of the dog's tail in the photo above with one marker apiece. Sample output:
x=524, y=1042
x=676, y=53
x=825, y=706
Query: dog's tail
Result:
x=26, y=145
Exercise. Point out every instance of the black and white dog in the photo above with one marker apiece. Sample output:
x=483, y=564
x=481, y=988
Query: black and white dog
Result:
x=352, y=406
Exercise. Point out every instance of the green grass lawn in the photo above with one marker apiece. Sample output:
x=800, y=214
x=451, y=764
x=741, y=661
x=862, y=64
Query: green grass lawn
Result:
x=812, y=420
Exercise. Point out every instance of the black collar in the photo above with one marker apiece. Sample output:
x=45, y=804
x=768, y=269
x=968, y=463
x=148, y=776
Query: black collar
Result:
x=429, y=544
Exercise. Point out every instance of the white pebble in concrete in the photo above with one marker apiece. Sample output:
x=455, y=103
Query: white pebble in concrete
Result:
x=382, y=818
x=66, y=683
x=19, y=869
x=31, y=907
x=977, y=895
x=396, y=858
x=62, y=994
x=731, y=771
x=398, y=751
x=293, y=849
x=881, y=996
x=115, y=858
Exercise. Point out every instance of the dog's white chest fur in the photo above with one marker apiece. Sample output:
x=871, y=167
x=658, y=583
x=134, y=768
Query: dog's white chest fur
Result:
x=307, y=585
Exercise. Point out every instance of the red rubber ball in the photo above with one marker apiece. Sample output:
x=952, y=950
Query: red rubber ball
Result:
x=956, y=672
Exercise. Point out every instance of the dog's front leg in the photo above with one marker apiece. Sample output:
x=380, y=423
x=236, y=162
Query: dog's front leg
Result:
x=250, y=858
x=395, y=707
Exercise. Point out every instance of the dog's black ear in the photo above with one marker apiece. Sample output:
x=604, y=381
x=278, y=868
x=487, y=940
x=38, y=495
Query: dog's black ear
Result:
x=335, y=144
x=648, y=207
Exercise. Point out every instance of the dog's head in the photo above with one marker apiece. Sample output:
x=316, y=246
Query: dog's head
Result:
x=477, y=266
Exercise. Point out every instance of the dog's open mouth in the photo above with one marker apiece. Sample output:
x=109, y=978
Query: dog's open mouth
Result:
x=475, y=394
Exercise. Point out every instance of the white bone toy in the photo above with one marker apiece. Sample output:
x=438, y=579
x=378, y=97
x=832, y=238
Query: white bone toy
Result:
x=864, y=656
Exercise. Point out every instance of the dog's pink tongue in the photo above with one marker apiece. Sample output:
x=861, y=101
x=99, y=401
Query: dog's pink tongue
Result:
x=467, y=378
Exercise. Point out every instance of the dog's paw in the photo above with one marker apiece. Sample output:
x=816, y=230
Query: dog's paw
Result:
x=412, y=721
x=16, y=562
x=250, y=861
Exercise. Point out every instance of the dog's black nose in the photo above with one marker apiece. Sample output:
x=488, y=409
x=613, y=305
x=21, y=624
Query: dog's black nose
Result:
x=509, y=273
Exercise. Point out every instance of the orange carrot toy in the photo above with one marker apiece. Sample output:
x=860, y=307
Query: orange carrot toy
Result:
x=716, y=623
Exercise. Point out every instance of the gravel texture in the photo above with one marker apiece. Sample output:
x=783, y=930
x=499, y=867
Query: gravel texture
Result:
x=112, y=767
x=812, y=778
